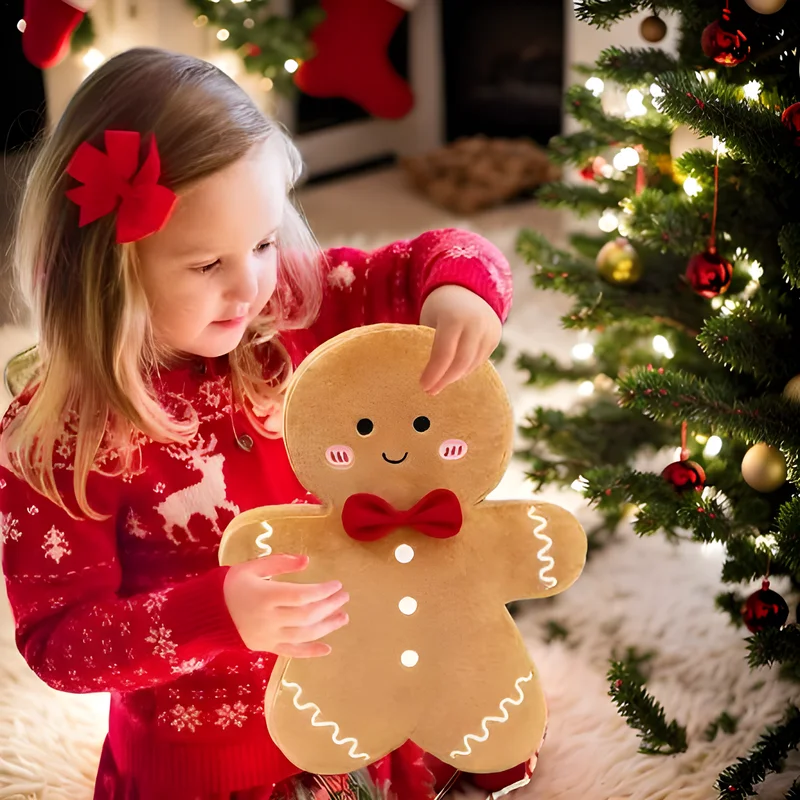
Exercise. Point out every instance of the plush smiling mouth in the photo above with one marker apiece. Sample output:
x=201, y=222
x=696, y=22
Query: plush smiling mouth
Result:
x=399, y=461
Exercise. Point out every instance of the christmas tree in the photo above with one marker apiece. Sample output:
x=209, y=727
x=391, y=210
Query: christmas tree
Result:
x=691, y=295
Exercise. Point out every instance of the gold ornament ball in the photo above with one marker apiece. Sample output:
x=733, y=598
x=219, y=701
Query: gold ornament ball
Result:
x=791, y=391
x=619, y=263
x=653, y=29
x=764, y=468
x=766, y=6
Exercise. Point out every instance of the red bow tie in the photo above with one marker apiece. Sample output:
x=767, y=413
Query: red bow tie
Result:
x=367, y=517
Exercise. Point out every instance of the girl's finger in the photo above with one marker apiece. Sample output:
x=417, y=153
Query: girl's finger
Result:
x=445, y=346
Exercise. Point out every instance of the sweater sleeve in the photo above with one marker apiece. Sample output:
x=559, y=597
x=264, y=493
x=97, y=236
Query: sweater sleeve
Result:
x=73, y=627
x=391, y=284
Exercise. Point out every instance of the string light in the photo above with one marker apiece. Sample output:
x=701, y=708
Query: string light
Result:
x=290, y=65
x=756, y=270
x=656, y=91
x=200, y=21
x=583, y=351
x=21, y=25
x=636, y=107
x=752, y=90
x=608, y=221
x=661, y=345
x=692, y=187
x=713, y=447
x=249, y=23
x=586, y=389
x=223, y=34
x=595, y=86
x=93, y=59
x=627, y=157
x=266, y=84
x=580, y=484
x=718, y=146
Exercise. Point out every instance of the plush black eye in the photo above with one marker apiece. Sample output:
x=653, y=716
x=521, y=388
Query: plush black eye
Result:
x=422, y=424
x=364, y=427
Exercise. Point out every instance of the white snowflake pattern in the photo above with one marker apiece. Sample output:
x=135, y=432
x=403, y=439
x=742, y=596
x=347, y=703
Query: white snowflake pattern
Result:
x=8, y=528
x=461, y=251
x=159, y=487
x=236, y=714
x=32, y=510
x=125, y=627
x=3, y=484
x=55, y=545
x=133, y=525
x=156, y=601
x=185, y=667
x=181, y=717
x=163, y=645
x=341, y=276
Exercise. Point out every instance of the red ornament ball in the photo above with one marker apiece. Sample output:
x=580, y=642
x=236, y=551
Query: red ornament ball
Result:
x=684, y=476
x=791, y=120
x=764, y=609
x=726, y=45
x=709, y=274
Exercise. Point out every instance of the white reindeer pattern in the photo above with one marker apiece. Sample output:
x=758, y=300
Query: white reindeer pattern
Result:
x=204, y=498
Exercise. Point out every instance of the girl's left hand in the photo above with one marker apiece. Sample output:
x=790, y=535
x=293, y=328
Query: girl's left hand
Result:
x=467, y=332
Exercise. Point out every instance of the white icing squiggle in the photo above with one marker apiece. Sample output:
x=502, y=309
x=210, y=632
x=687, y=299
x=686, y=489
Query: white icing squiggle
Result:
x=487, y=720
x=315, y=724
x=260, y=543
x=549, y=562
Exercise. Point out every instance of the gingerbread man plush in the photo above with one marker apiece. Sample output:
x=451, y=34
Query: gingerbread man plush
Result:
x=430, y=653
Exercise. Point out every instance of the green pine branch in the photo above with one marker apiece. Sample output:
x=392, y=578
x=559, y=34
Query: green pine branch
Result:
x=543, y=370
x=772, y=646
x=677, y=395
x=643, y=713
x=716, y=108
x=633, y=67
x=576, y=148
x=724, y=722
x=789, y=242
x=738, y=781
x=660, y=507
x=563, y=447
x=751, y=339
x=731, y=604
x=604, y=13
x=650, y=131
x=786, y=537
x=582, y=199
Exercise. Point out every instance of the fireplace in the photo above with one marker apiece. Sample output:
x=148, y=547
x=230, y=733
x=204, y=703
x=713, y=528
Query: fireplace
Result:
x=492, y=67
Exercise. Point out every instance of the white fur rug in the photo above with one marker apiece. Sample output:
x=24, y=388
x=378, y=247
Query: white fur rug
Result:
x=643, y=593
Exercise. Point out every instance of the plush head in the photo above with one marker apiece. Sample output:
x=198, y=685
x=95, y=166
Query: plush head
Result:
x=357, y=420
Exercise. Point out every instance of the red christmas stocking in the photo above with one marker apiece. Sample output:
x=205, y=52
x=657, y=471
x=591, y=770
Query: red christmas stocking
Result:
x=48, y=28
x=351, y=60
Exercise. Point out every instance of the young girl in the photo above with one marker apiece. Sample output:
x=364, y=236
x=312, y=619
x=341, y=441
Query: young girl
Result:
x=175, y=286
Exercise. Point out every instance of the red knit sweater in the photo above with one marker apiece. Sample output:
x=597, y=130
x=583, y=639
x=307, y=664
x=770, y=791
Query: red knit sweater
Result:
x=134, y=605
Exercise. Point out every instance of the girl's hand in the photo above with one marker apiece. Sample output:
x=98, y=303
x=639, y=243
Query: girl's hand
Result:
x=283, y=618
x=467, y=333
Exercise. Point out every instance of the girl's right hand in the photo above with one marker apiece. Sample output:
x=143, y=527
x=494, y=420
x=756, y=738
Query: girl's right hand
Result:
x=279, y=617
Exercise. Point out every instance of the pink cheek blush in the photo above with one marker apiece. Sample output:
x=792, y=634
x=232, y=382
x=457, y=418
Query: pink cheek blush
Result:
x=453, y=449
x=340, y=455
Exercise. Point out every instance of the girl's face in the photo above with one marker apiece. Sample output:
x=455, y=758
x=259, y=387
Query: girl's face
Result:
x=213, y=267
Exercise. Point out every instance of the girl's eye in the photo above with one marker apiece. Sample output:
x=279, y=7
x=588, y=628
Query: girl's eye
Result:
x=264, y=246
x=207, y=268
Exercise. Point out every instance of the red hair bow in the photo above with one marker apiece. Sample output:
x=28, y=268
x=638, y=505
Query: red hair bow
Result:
x=110, y=180
x=367, y=517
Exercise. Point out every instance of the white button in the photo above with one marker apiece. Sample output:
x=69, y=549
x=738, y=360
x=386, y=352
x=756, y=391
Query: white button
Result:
x=409, y=658
x=404, y=553
x=408, y=605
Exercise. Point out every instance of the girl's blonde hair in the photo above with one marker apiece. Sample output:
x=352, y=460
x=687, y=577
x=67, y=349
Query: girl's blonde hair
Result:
x=97, y=348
